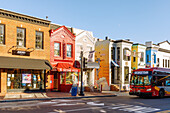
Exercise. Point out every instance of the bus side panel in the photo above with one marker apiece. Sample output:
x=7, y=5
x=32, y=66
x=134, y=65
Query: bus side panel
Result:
x=155, y=91
x=167, y=90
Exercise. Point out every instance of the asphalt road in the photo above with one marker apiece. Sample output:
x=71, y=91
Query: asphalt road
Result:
x=119, y=104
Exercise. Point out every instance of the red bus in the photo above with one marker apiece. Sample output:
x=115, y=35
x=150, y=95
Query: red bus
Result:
x=150, y=82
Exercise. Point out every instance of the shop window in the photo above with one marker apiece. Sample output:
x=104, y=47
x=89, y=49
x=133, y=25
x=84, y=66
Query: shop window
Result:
x=142, y=57
x=71, y=78
x=126, y=74
x=126, y=54
x=39, y=40
x=2, y=34
x=118, y=71
x=25, y=79
x=56, y=49
x=69, y=50
x=21, y=37
x=62, y=78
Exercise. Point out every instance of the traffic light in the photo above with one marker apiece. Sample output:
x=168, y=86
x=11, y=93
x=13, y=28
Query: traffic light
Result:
x=84, y=62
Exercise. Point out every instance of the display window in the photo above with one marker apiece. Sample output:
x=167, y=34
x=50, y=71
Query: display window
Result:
x=25, y=79
x=69, y=78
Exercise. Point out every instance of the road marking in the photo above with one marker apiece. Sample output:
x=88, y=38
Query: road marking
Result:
x=95, y=104
x=64, y=104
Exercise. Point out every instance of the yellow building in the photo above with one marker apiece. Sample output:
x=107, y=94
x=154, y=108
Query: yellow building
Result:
x=138, y=56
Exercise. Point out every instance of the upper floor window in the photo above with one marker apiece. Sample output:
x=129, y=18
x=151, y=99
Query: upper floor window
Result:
x=147, y=59
x=69, y=50
x=56, y=49
x=118, y=53
x=163, y=62
x=21, y=37
x=142, y=57
x=166, y=63
x=113, y=53
x=126, y=54
x=39, y=40
x=2, y=34
x=154, y=58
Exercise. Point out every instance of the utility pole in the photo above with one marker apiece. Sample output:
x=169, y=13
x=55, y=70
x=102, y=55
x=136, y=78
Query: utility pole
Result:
x=81, y=88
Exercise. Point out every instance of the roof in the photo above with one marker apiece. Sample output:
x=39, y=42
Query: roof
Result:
x=22, y=17
x=164, y=42
x=117, y=41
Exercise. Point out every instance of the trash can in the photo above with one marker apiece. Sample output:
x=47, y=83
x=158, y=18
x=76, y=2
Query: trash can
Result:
x=74, y=91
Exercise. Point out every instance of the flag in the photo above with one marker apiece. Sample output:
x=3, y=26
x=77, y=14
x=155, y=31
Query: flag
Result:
x=90, y=57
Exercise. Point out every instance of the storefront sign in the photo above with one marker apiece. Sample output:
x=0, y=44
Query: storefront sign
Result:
x=22, y=53
x=26, y=78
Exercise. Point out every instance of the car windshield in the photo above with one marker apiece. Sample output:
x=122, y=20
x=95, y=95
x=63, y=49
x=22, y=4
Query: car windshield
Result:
x=140, y=80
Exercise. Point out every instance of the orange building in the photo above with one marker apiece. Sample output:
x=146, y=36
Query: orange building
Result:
x=25, y=52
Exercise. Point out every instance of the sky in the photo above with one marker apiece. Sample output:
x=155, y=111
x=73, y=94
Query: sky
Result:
x=137, y=20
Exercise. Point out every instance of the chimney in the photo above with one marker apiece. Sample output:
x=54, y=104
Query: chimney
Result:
x=46, y=17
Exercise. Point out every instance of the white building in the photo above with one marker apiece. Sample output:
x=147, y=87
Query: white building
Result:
x=85, y=42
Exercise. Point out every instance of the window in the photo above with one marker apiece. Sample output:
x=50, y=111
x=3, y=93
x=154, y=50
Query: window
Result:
x=168, y=63
x=157, y=62
x=56, y=49
x=126, y=74
x=134, y=59
x=126, y=54
x=113, y=53
x=118, y=71
x=163, y=62
x=118, y=53
x=21, y=41
x=39, y=40
x=154, y=58
x=69, y=50
x=142, y=57
x=147, y=58
x=2, y=34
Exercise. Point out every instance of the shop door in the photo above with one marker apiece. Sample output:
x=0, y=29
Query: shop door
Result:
x=55, y=82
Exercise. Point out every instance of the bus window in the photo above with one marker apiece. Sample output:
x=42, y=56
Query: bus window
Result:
x=167, y=83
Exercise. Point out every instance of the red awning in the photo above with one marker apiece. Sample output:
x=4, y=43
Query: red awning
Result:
x=65, y=67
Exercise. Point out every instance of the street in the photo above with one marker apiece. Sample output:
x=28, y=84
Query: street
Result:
x=119, y=104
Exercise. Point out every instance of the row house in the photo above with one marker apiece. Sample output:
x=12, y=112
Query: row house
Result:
x=115, y=64
x=62, y=57
x=138, y=56
x=85, y=42
x=25, y=52
x=158, y=55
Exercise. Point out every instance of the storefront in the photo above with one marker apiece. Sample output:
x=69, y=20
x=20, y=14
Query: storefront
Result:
x=67, y=76
x=21, y=74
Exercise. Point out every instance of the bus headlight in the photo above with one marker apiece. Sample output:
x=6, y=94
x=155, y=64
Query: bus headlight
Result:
x=148, y=89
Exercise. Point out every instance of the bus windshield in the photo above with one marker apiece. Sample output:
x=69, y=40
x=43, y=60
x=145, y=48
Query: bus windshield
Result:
x=140, y=80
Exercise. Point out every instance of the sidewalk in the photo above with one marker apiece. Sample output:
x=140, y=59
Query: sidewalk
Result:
x=14, y=97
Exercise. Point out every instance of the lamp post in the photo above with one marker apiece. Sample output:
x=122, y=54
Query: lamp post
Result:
x=81, y=88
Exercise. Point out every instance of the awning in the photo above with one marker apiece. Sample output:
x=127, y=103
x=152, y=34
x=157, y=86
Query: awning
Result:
x=114, y=63
x=24, y=63
x=65, y=67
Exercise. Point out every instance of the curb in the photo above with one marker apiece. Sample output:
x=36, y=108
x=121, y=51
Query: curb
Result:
x=18, y=100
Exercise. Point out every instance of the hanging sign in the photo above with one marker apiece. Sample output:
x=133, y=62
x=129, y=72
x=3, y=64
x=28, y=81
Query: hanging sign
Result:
x=22, y=53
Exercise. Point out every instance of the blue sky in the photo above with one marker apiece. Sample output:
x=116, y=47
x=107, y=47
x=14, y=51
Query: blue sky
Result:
x=137, y=20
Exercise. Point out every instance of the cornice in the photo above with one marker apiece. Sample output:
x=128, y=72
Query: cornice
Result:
x=23, y=18
x=164, y=50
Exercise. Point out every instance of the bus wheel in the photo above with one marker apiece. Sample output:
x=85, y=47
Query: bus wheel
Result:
x=161, y=93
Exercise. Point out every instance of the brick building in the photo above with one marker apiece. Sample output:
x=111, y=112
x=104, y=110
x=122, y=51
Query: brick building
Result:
x=25, y=52
x=62, y=58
